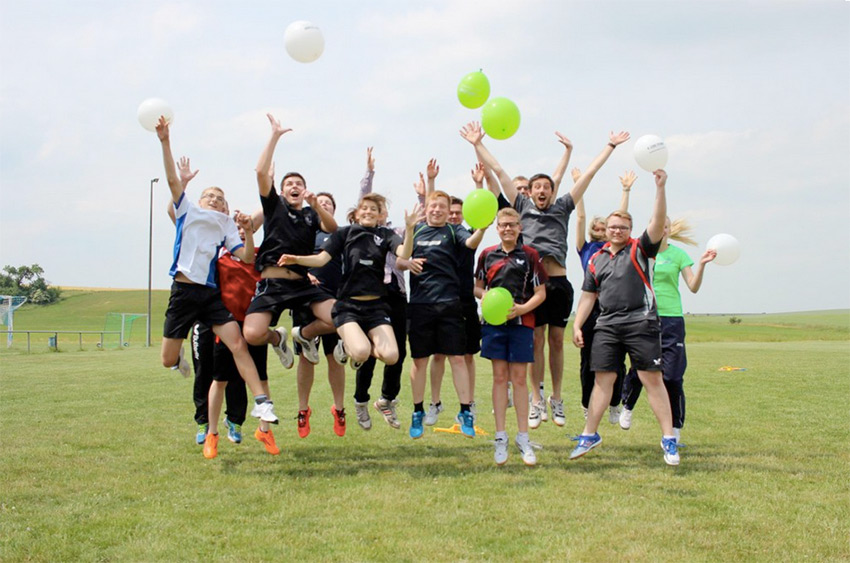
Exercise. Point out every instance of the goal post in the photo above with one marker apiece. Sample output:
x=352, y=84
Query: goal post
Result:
x=8, y=304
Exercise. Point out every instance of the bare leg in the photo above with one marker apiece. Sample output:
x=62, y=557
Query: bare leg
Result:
x=171, y=351
x=538, y=368
x=256, y=330
x=356, y=343
x=305, y=373
x=438, y=370
x=659, y=401
x=418, y=377
x=599, y=399
x=470, y=370
x=384, y=346
x=556, y=359
x=232, y=338
x=461, y=378
x=323, y=323
x=517, y=374
x=500, y=393
x=214, y=402
x=336, y=379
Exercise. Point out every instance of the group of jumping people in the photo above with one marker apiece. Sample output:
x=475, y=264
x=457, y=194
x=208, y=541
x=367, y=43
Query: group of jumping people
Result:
x=345, y=289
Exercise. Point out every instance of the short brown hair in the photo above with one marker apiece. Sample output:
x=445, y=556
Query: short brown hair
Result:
x=622, y=215
x=435, y=194
x=507, y=212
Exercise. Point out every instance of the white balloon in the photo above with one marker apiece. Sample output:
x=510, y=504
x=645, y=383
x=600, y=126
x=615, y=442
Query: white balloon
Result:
x=303, y=41
x=650, y=153
x=150, y=110
x=727, y=247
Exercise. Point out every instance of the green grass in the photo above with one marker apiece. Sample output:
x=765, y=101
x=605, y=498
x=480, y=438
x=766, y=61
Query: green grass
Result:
x=98, y=462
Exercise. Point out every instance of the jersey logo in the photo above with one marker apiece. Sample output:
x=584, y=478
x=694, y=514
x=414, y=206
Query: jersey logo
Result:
x=309, y=220
x=429, y=242
x=520, y=262
x=292, y=216
x=378, y=240
x=366, y=262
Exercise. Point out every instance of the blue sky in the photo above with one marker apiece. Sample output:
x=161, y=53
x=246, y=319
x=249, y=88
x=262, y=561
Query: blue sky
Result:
x=752, y=99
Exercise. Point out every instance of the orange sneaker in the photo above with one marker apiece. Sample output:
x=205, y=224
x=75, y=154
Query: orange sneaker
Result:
x=339, y=420
x=211, y=446
x=304, y=422
x=267, y=438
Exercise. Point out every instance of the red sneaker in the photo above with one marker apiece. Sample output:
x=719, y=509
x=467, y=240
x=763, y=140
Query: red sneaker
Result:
x=267, y=438
x=339, y=421
x=304, y=422
x=211, y=446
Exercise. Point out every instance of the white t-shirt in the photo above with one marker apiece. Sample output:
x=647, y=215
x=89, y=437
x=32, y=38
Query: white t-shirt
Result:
x=200, y=235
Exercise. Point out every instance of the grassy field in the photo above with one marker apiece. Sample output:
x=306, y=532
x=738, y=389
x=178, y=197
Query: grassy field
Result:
x=98, y=463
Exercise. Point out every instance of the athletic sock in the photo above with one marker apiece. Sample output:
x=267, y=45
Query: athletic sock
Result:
x=418, y=407
x=464, y=407
x=260, y=399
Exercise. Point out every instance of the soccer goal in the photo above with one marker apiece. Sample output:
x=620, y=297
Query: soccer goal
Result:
x=119, y=329
x=8, y=304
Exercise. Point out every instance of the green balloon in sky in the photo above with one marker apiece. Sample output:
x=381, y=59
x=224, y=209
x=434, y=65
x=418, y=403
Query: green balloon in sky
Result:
x=500, y=118
x=479, y=208
x=473, y=90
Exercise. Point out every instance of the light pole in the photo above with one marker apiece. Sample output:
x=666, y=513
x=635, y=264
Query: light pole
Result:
x=150, y=260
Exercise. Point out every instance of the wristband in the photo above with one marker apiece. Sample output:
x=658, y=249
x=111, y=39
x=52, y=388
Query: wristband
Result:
x=612, y=145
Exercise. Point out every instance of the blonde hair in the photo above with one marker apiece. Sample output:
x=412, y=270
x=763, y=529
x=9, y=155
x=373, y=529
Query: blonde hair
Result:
x=622, y=215
x=680, y=230
x=507, y=212
x=593, y=222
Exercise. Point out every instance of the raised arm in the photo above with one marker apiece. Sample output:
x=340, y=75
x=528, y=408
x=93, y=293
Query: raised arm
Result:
x=561, y=168
x=264, y=180
x=472, y=132
x=693, y=279
x=432, y=170
x=655, y=230
x=419, y=188
x=584, y=181
x=247, y=252
x=366, y=182
x=627, y=181
x=490, y=179
x=328, y=223
x=475, y=240
x=174, y=183
x=405, y=250
x=477, y=174
x=581, y=216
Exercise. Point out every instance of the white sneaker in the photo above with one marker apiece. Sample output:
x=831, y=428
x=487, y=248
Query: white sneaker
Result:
x=528, y=456
x=500, y=456
x=433, y=413
x=534, y=418
x=265, y=411
x=557, y=411
x=387, y=410
x=362, y=411
x=614, y=415
x=309, y=348
x=339, y=354
x=625, y=419
x=182, y=365
x=542, y=406
x=282, y=350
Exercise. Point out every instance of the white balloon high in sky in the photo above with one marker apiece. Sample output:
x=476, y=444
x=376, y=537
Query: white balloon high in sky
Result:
x=650, y=153
x=750, y=98
x=150, y=111
x=304, y=41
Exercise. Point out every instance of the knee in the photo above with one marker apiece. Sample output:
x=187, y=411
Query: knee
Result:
x=359, y=353
x=391, y=357
x=254, y=336
x=168, y=360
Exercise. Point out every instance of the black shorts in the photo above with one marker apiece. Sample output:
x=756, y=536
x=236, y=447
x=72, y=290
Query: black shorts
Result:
x=274, y=295
x=368, y=314
x=302, y=316
x=558, y=305
x=225, y=367
x=435, y=328
x=674, y=360
x=641, y=340
x=472, y=324
x=190, y=302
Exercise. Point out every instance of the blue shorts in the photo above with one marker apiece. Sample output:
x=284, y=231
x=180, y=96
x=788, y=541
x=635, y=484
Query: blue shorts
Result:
x=511, y=343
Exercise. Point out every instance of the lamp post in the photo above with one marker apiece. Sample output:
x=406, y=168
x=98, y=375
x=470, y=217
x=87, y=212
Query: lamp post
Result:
x=150, y=260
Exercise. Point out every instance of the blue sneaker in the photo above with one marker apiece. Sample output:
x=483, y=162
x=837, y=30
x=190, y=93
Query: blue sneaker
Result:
x=202, y=434
x=585, y=444
x=467, y=423
x=234, y=431
x=671, y=450
x=416, y=427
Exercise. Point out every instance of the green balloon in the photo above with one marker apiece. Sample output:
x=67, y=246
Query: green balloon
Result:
x=479, y=208
x=495, y=305
x=473, y=90
x=500, y=118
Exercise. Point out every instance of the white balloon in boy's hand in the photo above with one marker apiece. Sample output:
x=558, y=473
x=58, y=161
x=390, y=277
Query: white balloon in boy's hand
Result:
x=727, y=247
x=303, y=41
x=150, y=110
x=650, y=153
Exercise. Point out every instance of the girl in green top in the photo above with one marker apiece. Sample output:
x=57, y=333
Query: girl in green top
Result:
x=670, y=263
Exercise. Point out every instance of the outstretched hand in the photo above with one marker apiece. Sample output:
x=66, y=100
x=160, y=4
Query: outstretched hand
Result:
x=419, y=187
x=311, y=199
x=276, y=127
x=564, y=141
x=415, y=216
x=370, y=160
x=433, y=169
x=472, y=132
x=286, y=260
x=619, y=138
x=628, y=179
x=244, y=220
x=478, y=173
x=660, y=178
x=576, y=174
x=185, y=171
x=708, y=256
x=162, y=128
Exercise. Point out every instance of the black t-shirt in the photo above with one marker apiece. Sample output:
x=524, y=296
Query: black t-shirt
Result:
x=286, y=231
x=440, y=246
x=466, y=268
x=622, y=282
x=329, y=275
x=363, y=251
x=518, y=271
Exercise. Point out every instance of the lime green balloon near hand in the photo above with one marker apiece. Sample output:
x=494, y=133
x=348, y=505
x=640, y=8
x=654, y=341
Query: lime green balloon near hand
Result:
x=500, y=118
x=479, y=208
x=495, y=305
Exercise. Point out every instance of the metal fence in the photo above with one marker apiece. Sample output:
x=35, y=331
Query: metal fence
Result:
x=53, y=337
